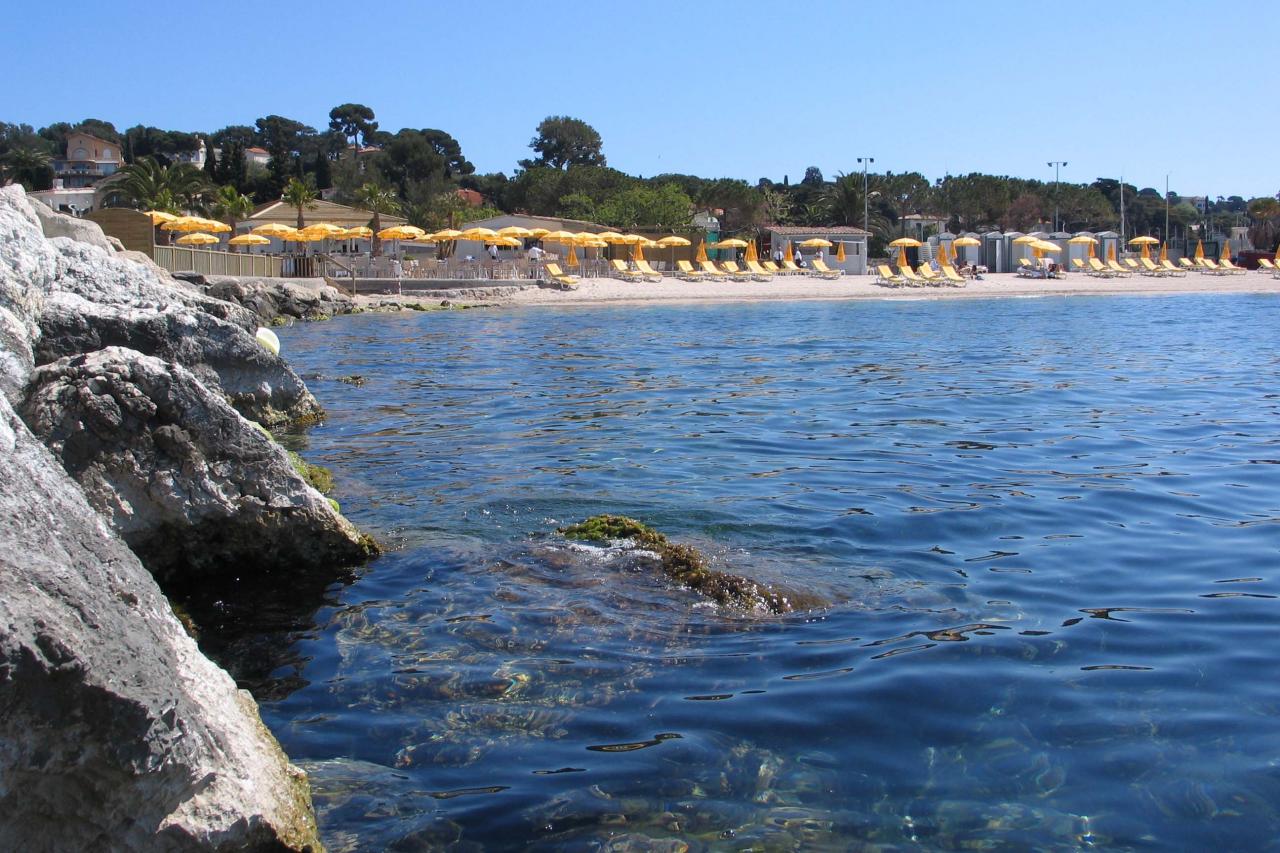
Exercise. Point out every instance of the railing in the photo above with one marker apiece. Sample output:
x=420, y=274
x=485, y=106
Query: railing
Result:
x=205, y=262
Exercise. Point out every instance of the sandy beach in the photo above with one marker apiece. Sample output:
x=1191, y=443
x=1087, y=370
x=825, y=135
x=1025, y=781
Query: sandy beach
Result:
x=595, y=291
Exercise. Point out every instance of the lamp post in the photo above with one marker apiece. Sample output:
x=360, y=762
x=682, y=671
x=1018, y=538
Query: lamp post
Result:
x=1056, y=164
x=866, y=200
x=1166, y=208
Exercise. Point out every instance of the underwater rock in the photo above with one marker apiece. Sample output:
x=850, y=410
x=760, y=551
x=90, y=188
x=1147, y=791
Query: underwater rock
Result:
x=688, y=567
x=115, y=732
x=195, y=489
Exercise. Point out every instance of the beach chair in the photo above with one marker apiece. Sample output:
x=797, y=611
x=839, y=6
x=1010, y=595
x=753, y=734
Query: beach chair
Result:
x=647, y=271
x=712, y=270
x=1080, y=267
x=622, y=271
x=1132, y=264
x=1187, y=264
x=821, y=270
x=567, y=282
x=1115, y=267
x=1208, y=265
x=1149, y=268
x=925, y=271
x=1265, y=265
x=732, y=268
x=1169, y=268
x=911, y=278
x=772, y=268
x=1026, y=269
x=686, y=272
x=760, y=273
x=791, y=269
x=952, y=277
x=887, y=277
x=1231, y=268
x=1099, y=270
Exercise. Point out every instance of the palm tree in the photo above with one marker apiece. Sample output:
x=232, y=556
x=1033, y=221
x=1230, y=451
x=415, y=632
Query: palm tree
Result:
x=377, y=200
x=230, y=204
x=300, y=194
x=846, y=203
x=148, y=185
x=1265, y=213
x=30, y=167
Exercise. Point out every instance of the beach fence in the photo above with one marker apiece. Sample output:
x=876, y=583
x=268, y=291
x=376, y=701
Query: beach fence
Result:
x=205, y=262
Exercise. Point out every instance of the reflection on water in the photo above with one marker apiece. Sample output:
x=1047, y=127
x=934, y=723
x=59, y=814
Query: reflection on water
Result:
x=1048, y=526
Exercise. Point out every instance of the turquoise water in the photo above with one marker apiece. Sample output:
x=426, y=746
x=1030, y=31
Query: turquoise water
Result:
x=1047, y=529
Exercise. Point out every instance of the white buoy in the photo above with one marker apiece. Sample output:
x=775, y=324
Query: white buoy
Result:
x=268, y=339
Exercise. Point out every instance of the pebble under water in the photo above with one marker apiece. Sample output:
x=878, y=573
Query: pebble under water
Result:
x=1047, y=529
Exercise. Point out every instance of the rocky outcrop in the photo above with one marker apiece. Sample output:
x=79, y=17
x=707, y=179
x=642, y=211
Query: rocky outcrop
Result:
x=256, y=381
x=191, y=486
x=270, y=299
x=28, y=265
x=54, y=224
x=115, y=732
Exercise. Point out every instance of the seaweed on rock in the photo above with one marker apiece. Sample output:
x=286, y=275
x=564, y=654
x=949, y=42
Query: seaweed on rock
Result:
x=688, y=567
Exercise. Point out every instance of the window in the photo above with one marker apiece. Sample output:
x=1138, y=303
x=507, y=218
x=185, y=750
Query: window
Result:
x=106, y=154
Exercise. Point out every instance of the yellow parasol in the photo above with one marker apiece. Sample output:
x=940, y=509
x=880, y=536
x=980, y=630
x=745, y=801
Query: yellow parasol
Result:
x=733, y=243
x=197, y=238
x=1226, y=250
x=360, y=232
x=272, y=229
x=840, y=252
x=400, y=232
x=1164, y=252
x=671, y=243
x=902, y=244
x=751, y=252
x=787, y=254
x=248, y=240
x=966, y=241
x=185, y=224
x=478, y=234
x=611, y=237
x=1079, y=240
x=572, y=259
x=538, y=233
x=513, y=231
x=702, y=251
x=1145, y=243
x=637, y=250
x=1093, y=252
x=942, y=254
x=816, y=243
x=159, y=217
x=1111, y=251
x=1199, y=256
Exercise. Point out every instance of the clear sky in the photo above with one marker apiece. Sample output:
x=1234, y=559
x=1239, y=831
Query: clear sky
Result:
x=742, y=89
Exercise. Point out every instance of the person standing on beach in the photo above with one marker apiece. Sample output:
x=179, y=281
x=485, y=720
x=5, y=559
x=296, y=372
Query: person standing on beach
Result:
x=493, y=251
x=777, y=255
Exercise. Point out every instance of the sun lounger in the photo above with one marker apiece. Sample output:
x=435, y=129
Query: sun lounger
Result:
x=772, y=268
x=712, y=270
x=1026, y=269
x=1265, y=265
x=1168, y=267
x=791, y=268
x=1187, y=264
x=1133, y=265
x=925, y=271
x=1099, y=270
x=821, y=270
x=568, y=282
x=1080, y=267
x=887, y=277
x=647, y=271
x=759, y=272
x=952, y=277
x=911, y=278
x=686, y=272
x=1115, y=267
x=1148, y=267
x=1209, y=266
x=1231, y=268
x=732, y=268
x=622, y=271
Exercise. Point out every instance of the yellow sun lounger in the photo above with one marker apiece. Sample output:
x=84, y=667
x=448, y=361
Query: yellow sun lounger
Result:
x=647, y=271
x=1209, y=266
x=888, y=276
x=568, y=282
x=1188, y=264
x=1232, y=268
x=1115, y=267
x=622, y=271
x=712, y=270
x=911, y=278
x=791, y=269
x=759, y=272
x=925, y=271
x=686, y=272
x=1167, y=266
x=772, y=268
x=821, y=270
x=1149, y=268
x=1099, y=270
x=1265, y=265
x=731, y=267
x=954, y=278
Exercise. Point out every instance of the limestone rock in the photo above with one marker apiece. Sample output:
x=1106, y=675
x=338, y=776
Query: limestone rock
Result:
x=28, y=265
x=271, y=298
x=194, y=489
x=259, y=384
x=55, y=224
x=115, y=732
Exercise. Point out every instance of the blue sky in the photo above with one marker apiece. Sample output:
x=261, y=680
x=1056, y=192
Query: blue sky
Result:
x=740, y=89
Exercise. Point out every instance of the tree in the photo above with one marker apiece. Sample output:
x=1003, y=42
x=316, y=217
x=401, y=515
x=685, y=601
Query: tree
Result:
x=354, y=121
x=410, y=162
x=1025, y=211
x=847, y=204
x=230, y=204
x=377, y=200
x=812, y=177
x=320, y=167
x=563, y=141
x=1265, y=230
x=300, y=194
x=455, y=165
x=664, y=208
x=211, y=165
x=149, y=185
x=29, y=166
x=284, y=140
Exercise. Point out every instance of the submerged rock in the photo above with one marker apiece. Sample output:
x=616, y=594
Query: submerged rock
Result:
x=195, y=489
x=115, y=732
x=688, y=567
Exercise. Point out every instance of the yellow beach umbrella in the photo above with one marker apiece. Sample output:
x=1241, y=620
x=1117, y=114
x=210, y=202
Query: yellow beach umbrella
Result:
x=907, y=243
x=159, y=217
x=538, y=233
x=1025, y=240
x=610, y=237
x=558, y=237
x=400, y=232
x=1164, y=252
x=513, y=231
x=446, y=234
x=673, y=240
x=902, y=256
x=965, y=241
x=272, y=229
x=360, y=232
x=1226, y=250
x=752, y=255
x=1046, y=246
x=816, y=243
x=840, y=252
x=1093, y=252
x=572, y=260
x=1081, y=239
x=942, y=254
x=1111, y=251
x=184, y=224
x=1138, y=241
x=637, y=250
x=787, y=254
x=478, y=233
x=732, y=243
x=197, y=238
x=1199, y=256
x=702, y=251
x=324, y=228
x=248, y=240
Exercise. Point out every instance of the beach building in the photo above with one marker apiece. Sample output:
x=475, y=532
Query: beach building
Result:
x=854, y=239
x=921, y=226
x=88, y=159
x=76, y=201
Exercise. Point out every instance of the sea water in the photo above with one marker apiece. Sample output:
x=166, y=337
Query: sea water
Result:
x=1047, y=530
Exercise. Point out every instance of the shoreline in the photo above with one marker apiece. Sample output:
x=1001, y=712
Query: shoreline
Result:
x=610, y=291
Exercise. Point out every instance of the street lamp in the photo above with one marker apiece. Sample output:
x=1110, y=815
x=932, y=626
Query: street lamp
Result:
x=1055, y=164
x=866, y=200
x=1166, y=209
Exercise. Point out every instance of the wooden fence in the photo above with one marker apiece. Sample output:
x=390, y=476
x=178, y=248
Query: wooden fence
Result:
x=183, y=259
